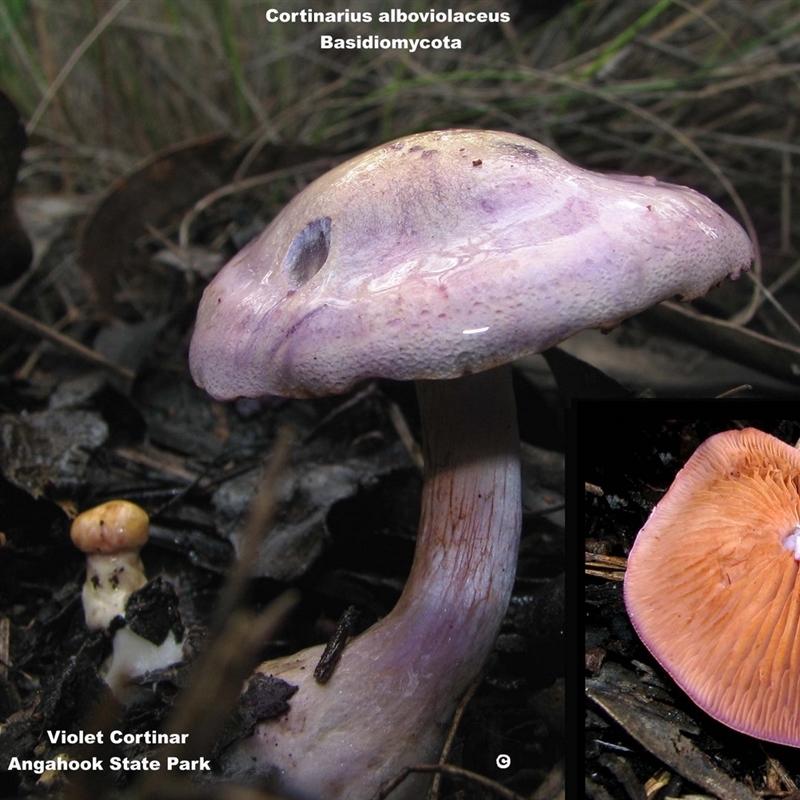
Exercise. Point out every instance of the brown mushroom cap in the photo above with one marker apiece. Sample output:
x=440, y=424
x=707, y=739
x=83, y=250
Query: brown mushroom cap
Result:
x=111, y=528
x=446, y=253
x=713, y=583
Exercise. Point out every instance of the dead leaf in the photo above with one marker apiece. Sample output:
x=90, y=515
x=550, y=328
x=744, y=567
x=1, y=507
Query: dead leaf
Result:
x=307, y=490
x=49, y=449
x=166, y=183
x=156, y=192
x=658, y=732
x=730, y=341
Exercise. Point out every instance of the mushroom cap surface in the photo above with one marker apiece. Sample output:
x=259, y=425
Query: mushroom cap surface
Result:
x=446, y=253
x=713, y=583
x=112, y=527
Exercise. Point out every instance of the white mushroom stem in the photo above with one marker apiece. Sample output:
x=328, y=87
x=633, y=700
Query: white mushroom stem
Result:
x=111, y=578
x=134, y=656
x=394, y=691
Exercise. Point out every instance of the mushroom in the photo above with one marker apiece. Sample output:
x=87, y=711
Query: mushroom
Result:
x=111, y=535
x=442, y=255
x=712, y=585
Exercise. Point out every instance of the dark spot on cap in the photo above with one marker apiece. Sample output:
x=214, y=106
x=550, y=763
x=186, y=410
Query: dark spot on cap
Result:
x=308, y=252
x=525, y=152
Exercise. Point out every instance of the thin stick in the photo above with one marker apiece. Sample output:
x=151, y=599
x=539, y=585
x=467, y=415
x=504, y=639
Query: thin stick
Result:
x=76, y=348
x=107, y=19
x=260, y=517
x=241, y=186
x=448, y=769
x=451, y=734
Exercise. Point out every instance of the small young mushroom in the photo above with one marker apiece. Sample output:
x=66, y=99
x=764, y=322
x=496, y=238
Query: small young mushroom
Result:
x=712, y=582
x=111, y=535
x=442, y=255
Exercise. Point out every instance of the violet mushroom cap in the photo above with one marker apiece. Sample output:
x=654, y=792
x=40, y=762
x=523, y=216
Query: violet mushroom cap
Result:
x=713, y=583
x=446, y=253
x=436, y=256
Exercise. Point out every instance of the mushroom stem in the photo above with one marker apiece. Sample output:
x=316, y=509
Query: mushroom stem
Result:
x=394, y=691
x=466, y=555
